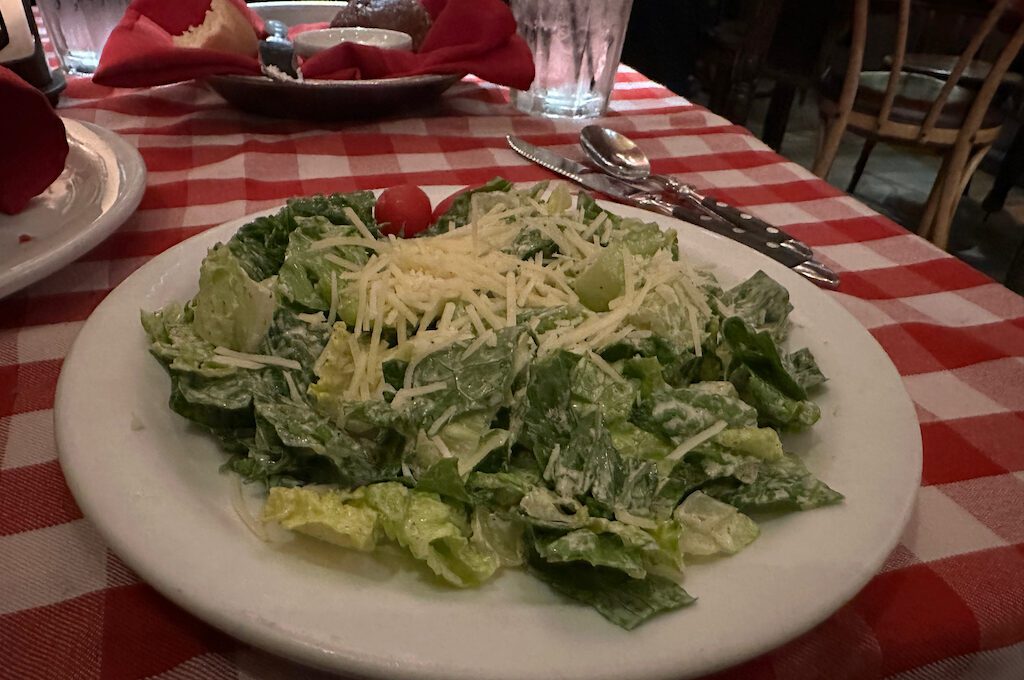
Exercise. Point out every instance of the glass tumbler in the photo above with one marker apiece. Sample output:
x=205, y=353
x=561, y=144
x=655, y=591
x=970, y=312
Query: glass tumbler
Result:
x=80, y=28
x=576, y=45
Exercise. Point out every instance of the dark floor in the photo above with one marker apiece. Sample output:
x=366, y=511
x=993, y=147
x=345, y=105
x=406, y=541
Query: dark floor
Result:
x=896, y=183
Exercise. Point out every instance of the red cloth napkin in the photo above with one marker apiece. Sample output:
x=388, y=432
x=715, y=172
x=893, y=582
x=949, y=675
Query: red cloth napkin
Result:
x=466, y=36
x=33, y=143
x=140, y=53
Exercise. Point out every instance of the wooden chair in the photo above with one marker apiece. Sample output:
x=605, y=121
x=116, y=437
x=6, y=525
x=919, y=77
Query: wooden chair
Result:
x=919, y=110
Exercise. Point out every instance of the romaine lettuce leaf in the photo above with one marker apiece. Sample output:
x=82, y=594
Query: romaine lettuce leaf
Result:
x=630, y=440
x=542, y=418
x=530, y=241
x=433, y=531
x=679, y=365
x=664, y=313
x=625, y=601
x=222, y=405
x=306, y=273
x=500, y=533
x=781, y=485
x=774, y=409
x=762, y=303
x=758, y=353
x=679, y=413
x=480, y=382
x=588, y=464
x=501, y=489
x=640, y=482
x=646, y=370
x=260, y=245
x=329, y=515
x=593, y=388
x=604, y=549
x=230, y=309
x=175, y=343
x=338, y=457
x=545, y=509
x=443, y=479
x=804, y=369
x=292, y=338
x=709, y=526
x=643, y=238
x=334, y=370
x=466, y=437
x=759, y=442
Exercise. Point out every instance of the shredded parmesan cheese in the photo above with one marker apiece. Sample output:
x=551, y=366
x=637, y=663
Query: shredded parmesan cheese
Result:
x=357, y=223
x=342, y=262
x=406, y=393
x=312, y=319
x=442, y=419
x=293, y=389
x=333, y=311
x=697, y=349
x=263, y=359
x=442, y=447
x=696, y=440
x=414, y=297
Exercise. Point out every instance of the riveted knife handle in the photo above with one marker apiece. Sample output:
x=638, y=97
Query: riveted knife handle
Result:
x=734, y=216
x=803, y=265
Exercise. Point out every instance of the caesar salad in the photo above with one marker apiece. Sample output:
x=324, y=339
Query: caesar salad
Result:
x=534, y=382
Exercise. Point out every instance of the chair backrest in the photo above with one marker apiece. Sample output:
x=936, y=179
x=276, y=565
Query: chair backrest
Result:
x=984, y=35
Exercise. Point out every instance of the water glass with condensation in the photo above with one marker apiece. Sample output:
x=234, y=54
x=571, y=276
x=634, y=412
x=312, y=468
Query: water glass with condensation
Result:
x=80, y=28
x=576, y=45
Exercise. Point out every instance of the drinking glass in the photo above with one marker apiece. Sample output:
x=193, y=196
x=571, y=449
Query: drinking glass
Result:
x=576, y=45
x=79, y=29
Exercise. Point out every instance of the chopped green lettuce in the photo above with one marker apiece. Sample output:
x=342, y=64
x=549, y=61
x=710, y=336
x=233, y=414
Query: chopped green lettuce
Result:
x=433, y=531
x=762, y=303
x=231, y=310
x=679, y=413
x=593, y=388
x=307, y=274
x=329, y=515
x=623, y=600
x=709, y=526
x=781, y=485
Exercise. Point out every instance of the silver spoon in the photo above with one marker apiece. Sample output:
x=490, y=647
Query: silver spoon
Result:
x=619, y=156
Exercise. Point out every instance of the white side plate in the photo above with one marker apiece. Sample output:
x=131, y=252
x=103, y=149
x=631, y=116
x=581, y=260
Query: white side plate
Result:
x=100, y=188
x=156, y=496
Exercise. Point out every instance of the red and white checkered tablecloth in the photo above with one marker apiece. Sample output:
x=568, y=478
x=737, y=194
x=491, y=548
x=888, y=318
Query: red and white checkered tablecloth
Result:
x=949, y=601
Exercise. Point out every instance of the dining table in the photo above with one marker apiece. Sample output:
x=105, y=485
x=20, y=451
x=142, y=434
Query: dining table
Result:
x=947, y=603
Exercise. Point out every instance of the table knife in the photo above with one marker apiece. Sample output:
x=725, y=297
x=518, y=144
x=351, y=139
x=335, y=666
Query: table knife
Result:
x=731, y=214
x=629, y=194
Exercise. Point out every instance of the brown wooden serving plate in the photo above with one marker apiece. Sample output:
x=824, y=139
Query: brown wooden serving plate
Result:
x=331, y=99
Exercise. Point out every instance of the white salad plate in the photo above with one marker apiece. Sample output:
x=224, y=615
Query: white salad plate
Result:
x=101, y=186
x=150, y=482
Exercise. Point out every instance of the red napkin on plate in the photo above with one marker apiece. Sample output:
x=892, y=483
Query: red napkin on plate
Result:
x=139, y=51
x=466, y=36
x=33, y=143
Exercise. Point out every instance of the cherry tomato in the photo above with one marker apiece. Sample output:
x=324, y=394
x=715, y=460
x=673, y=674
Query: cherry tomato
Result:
x=403, y=210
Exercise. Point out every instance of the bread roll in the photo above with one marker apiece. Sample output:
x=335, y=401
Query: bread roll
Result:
x=407, y=16
x=224, y=29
